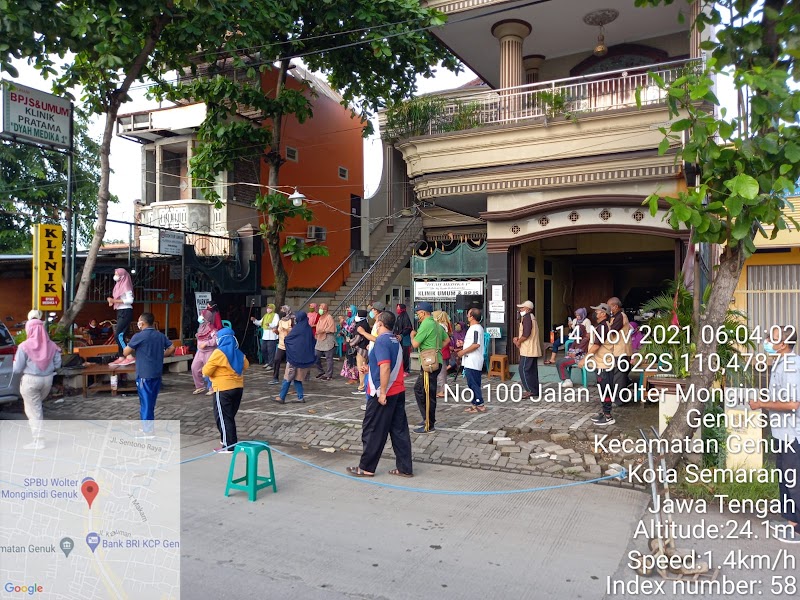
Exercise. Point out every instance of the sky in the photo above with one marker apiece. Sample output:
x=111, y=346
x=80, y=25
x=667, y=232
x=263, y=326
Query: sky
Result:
x=126, y=179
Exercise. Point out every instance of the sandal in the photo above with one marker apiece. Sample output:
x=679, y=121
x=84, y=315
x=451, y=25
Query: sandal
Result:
x=400, y=473
x=475, y=409
x=359, y=472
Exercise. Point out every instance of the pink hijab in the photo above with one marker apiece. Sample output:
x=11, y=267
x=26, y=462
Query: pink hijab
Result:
x=39, y=348
x=123, y=285
x=206, y=329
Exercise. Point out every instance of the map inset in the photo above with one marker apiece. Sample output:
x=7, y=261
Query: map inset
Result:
x=94, y=514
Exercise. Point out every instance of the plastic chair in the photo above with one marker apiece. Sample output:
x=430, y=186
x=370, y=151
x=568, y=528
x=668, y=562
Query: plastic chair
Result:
x=226, y=323
x=252, y=481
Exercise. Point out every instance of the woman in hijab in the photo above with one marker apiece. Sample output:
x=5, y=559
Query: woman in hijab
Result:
x=580, y=315
x=443, y=319
x=225, y=368
x=206, y=342
x=37, y=359
x=402, y=329
x=351, y=315
x=300, y=356
x=121, y=300
x=456, y=344
x=579, y=346
x=285, y=325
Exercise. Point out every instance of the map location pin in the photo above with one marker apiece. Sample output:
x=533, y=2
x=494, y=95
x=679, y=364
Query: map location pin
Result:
x=89, y=489
x=66, y=546
x=93, y=541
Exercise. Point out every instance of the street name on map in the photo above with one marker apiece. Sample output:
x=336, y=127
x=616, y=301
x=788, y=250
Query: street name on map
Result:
x=100, y=477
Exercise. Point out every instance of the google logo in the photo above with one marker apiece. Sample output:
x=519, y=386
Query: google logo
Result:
x=23, y=589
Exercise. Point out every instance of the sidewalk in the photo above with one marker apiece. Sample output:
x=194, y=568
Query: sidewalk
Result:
x=552, y=438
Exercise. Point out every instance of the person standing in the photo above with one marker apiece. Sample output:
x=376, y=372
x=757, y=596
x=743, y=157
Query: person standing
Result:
x=313, y=317
x=472, y=359
x=300, y=357
x=121, y=300
x=402, y=329
x=217, y=320
x=325, y=342
x=285, y=324
x=269, y=335
x=429, y=336
x=620, y=347
x=37, y=359
x=386, y=411
x=150, y=346
x=360, y=342
x=784, y=420
x=375, y=309
x=530, y=349
x=599, y=349
x=443, y=320
x=226, y=368
x=206, y=342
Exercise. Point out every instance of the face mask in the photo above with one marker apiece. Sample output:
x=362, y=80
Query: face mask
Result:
x=201, y=320
x=349, y=313
x=522, y=313
x=269, y=310
x=116, y=277
x=372, y=314
x=322, y=311
x=769, y=348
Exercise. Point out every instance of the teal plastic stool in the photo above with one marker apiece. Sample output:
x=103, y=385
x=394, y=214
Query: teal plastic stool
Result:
x=252, y=481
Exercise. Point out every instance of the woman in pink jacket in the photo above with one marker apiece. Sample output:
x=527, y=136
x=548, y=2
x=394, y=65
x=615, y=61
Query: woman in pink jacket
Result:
x=206, y=343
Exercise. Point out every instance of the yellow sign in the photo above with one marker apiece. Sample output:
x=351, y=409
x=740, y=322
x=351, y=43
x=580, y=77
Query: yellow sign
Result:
x=47, y=267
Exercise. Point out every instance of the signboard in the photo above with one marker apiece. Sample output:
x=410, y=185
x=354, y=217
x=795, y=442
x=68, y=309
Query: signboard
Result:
x=446, y=291
x=495, y=317
x=201, y=301
x=170, y=242
x=29, y=115
x=497, y=306
x=494, y=332
x=48, y=268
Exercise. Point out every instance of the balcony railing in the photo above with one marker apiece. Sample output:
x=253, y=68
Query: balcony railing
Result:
x=571, y=97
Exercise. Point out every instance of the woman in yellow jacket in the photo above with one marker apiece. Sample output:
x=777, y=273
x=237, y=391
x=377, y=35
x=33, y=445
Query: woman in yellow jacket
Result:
x=225, y=368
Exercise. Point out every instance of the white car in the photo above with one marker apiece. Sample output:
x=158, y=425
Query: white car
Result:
x=9, y=385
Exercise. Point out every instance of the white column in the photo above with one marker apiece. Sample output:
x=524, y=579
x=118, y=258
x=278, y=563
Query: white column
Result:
x=531, y=63
x=511, y=34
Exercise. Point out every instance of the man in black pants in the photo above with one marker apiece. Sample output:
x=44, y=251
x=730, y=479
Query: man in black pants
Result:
x=618, y=321
x=386, y=409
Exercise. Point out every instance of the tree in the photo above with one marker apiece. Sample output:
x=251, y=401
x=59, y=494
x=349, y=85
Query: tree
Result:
x=371, y=52
x=110, y=45
x=33, y=188
x=749, y=162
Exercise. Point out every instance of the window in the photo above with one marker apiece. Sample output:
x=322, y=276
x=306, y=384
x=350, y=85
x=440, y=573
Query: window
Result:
x=343, y=173
x=316, y=233
x=291, y=154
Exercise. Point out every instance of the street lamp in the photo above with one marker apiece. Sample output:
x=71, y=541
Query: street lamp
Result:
x=297, y=198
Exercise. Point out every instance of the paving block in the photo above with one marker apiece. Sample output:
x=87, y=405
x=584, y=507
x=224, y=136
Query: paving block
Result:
x=498, y=438
x=510, y=450
x=560, y=437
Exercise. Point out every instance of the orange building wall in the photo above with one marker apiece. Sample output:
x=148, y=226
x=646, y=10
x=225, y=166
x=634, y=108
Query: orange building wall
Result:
x=325, y=142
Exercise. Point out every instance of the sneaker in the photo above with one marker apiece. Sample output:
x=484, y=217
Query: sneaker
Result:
x=116, y=361
x=567, y=383
x=199, y=391
x=358, y=393
x=300, y=400
x=320, y=376
x=422, y=430
x=274, y=382
x=788, y=535
x=35, y=445
x=223, y=450
x=127, y=361
x=603, y=420
x=363, y=407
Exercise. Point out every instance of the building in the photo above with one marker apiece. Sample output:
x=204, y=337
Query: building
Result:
x=530, y=182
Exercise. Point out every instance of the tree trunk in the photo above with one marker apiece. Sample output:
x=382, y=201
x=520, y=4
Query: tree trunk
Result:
x=275, y=160
x=114, y=102
x=722, y=289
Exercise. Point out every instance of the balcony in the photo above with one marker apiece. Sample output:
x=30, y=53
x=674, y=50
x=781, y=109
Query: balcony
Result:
x=572, y=98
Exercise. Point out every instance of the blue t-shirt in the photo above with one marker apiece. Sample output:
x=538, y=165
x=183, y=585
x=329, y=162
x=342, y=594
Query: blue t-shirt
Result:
x=149, y=345
x=385, y=350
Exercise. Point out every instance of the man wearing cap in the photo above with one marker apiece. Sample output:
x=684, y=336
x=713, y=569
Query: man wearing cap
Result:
x=530, y=349
x=599, y=350
x=429, y=336
x=621, y=348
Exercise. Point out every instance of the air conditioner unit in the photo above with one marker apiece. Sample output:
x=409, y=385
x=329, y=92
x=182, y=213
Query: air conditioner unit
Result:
x=319, y=234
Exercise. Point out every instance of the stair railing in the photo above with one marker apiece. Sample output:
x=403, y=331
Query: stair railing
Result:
x=327, y=279
x=364, y=290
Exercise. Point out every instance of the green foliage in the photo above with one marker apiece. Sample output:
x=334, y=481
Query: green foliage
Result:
x=413, y=117
x=677, y=347
x=33, y=188
x=281, y=209
x=748, y=163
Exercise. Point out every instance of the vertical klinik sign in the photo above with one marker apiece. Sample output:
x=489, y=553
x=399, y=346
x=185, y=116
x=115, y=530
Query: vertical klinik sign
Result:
x=47, y=267
x=31, y=116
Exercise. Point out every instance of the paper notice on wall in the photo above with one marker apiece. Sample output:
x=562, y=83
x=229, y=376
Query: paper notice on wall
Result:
x=497, y=307
x=497, y=293
x=497, y=317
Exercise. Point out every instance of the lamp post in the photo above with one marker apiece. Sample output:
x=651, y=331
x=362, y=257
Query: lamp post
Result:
x=297, y=198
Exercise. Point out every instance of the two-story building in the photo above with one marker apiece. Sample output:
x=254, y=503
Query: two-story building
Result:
x=542, y=166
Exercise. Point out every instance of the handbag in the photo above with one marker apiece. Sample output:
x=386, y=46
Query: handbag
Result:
x=182, y=351
x=429, y=360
